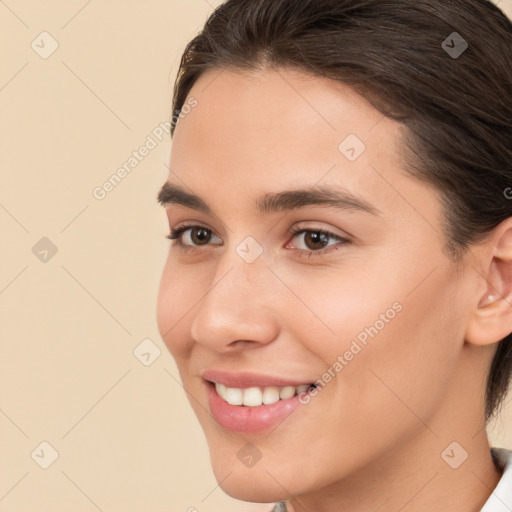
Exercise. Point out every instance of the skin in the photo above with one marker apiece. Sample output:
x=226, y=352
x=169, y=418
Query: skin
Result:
x=372, y=439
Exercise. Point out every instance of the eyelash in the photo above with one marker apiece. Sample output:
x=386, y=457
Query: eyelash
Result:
x=176, y=236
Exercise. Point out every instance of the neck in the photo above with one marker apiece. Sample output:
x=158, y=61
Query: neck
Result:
x=417, y=480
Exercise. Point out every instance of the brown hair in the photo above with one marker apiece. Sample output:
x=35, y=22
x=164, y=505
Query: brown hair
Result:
x=402, y=55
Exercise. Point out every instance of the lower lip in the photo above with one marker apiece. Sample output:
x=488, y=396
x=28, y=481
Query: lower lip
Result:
x=249, y=420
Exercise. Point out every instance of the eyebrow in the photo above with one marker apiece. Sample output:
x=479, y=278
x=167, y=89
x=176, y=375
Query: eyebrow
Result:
x=276, y=201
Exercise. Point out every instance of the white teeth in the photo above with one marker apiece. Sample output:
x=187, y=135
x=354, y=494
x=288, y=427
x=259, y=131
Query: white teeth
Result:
x=221, y=389
x=233, y=396
x=254, y=396
x=302, y=388
x=287, y=392
x=270, y=395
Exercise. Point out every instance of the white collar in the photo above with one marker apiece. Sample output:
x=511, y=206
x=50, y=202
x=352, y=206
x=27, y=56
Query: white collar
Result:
x=501, y=498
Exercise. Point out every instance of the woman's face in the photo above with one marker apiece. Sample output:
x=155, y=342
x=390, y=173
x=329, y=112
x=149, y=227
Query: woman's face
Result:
x=374, y=312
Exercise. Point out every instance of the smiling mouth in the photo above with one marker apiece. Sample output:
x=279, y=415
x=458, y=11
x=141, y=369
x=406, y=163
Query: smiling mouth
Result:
x=256, y=396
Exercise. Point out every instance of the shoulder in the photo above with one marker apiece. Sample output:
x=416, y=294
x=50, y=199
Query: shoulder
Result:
x=502, y=457
x=501, y=498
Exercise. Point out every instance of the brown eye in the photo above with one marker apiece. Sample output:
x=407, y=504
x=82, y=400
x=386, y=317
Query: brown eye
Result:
x=199, y=235
x=316, y=240
x=191, y=236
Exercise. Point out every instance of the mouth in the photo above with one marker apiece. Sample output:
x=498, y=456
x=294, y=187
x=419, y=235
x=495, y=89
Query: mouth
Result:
x=256, y=396
x=250, y=403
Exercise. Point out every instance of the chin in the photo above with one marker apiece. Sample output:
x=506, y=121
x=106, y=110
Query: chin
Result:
x=255, y=486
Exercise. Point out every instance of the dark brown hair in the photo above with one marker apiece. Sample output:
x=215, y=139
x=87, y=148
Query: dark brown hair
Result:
x=404, y=57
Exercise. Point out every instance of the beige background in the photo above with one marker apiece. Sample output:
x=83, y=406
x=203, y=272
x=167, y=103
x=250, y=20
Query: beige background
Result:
x=125, y=435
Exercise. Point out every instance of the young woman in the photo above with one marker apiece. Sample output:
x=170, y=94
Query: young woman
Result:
x=338, y=289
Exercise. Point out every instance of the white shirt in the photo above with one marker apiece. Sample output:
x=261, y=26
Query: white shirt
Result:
x=501, y=498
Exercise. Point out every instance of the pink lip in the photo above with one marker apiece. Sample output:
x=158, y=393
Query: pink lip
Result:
x=246, y=379
x=249, y=420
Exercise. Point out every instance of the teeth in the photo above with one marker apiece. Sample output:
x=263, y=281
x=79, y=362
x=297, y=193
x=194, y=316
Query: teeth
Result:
x=233, y=396
x=287, y=392
x=270, y=395
x=253, y=397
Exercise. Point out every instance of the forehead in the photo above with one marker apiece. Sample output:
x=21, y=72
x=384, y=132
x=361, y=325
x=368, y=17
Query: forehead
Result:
x=266, y=103
x=271, y=129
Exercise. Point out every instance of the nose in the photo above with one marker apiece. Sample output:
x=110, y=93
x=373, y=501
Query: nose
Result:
x=238, y=310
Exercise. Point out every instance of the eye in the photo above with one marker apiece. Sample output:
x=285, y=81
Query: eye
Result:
x=316, y=240
x=190, y=236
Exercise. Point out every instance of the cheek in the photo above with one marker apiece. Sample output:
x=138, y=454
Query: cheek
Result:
x=342, y=310
x=406, y=365
x=385, y=341
x=173, y=304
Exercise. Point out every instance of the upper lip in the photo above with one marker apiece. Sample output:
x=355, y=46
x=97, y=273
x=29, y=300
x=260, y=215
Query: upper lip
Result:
x=248, y=379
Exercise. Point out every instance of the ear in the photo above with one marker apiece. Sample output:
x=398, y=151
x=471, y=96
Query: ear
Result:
x=491, y=319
